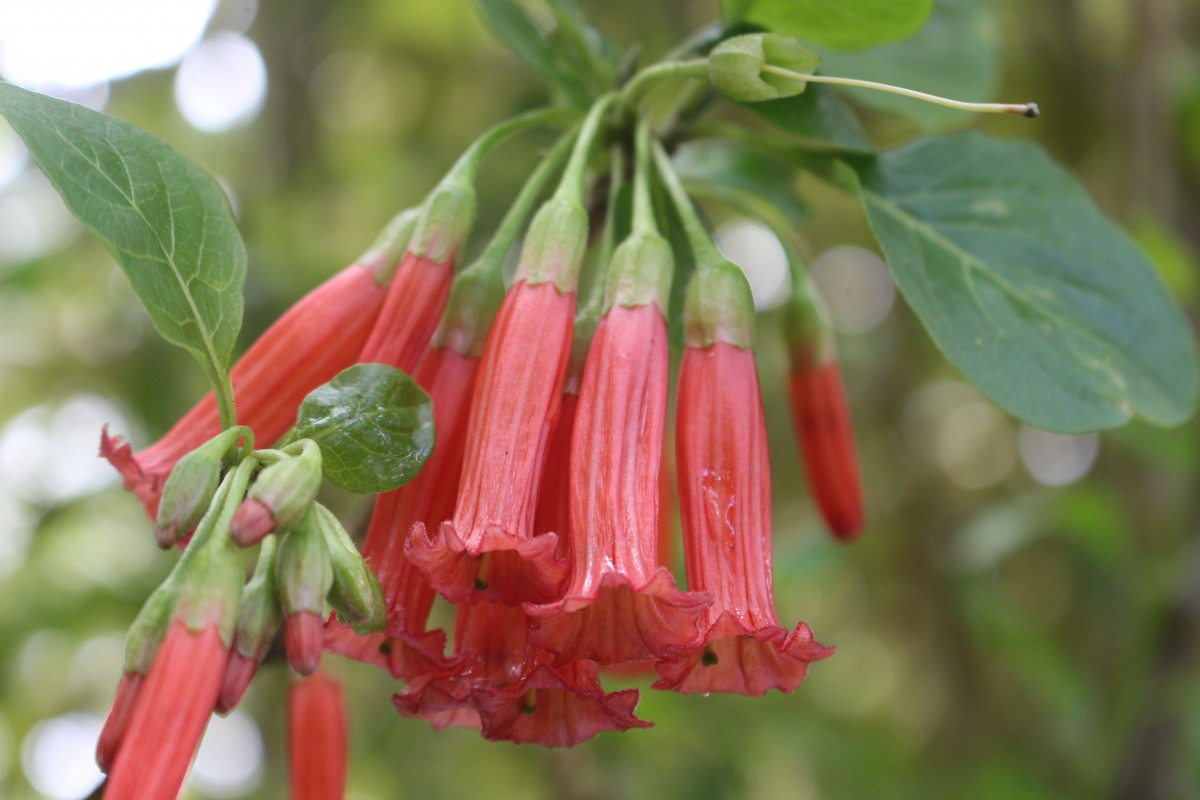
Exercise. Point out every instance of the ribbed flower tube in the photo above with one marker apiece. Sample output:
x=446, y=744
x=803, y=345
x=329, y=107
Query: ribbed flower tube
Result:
x=725, y=503
x=620, y=604
x=169, y=715
x=317, y=740
x=488, y=550
x=410, y=316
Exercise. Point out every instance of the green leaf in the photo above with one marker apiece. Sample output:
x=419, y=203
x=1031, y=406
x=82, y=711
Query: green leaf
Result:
x=844, y=24
x=734, y=10
x=745, y=177
x=1028, y=289
x=819, y=119
x=956, y=54
x=374, y=426
x=514, y=27
x=165, y=220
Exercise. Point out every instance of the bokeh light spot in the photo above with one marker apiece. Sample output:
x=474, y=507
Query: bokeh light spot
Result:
x=221, y=84
x=856, y=287
x=755, y=248
x=1055, y=459
x=230, y=760
x=58, y=756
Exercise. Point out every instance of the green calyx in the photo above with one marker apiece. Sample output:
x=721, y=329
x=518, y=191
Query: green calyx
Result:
x=475, y=297
x=356, y=594
x=806, y=326
x=640, y=272
x=289, y=486
x=446, y=220
x=719, y=307
x=555, y=245
x=259, y=615
x=383, y=256
x=736, y=67
x=303, y=570
x=192, y=484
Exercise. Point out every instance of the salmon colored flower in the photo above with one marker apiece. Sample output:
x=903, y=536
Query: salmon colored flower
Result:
x=620, y=604
x=822, y=419
x=313, y=341
x=317, y=741
x=410, y=316
x=169, y=715
x=488, y=549
x=118, y=719
x=511, y=690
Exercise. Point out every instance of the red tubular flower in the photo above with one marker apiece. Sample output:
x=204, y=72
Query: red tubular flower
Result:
x=411, y=313
x=169, y=715
x=620, y=605
x=317, y=741
x=822, y=419
x=725, y=501
x=511, y=691
x=118, y=719
x=315, y=339
x=488, y=550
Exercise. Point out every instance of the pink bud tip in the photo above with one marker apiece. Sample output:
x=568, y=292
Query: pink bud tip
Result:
x=238, y=674
x=304, y=638
x=118, y=720
x=251, y=522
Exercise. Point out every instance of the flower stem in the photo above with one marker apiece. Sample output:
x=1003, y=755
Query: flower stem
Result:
x=665, y=70
x=643, y=206
x=467, y=166
x=1030, y=110
x=223, y=389
x=703, y=247
x=570, y=188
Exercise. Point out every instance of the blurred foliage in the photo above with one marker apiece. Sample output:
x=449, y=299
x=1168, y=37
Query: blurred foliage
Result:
x=1014, y=641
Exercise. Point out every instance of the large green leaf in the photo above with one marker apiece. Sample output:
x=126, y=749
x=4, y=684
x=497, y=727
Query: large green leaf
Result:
x=956, y=54
x=1041, y=301
x=844, y=24
x=164, y=219
x=819, y=119
x=374, y=426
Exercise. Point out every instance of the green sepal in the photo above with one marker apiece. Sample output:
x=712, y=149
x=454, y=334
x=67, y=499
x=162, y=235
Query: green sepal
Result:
x=210, y=586
x=719, y=307
x=554, y=245
x=303, y=570
x=475, y=297
x=149, y=627
x=736, y=67
x=446, y=220
x=259, y=616
x=192, y=484
x=356, y=594
x=806, y=331
x=383, y=256
x=640, y=272
x=289, y=486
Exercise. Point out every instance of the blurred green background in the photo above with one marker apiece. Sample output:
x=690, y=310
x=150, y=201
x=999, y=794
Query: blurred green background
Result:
x=1021, y=618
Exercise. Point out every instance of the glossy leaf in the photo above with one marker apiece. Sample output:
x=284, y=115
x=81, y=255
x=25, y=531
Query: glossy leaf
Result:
x=165, y=220
x=956, y=54
x=844, y=24
x=819, y=119
x=744, y=176
x=1029, y=290
x=374, y=426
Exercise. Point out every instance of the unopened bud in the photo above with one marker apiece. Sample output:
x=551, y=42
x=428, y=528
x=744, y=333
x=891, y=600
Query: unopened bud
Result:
x=191, y=486
x=737, y=67
x=258, y=622
x=118, y=720
x=356, y=594
x=281, y=494
x=304, y=575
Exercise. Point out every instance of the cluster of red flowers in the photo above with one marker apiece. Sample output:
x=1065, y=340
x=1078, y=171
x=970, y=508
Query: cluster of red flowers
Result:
x=543, y=512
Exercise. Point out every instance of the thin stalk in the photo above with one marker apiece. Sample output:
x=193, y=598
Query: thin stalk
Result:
x=1030, y=110
x=223, y=389
x=570, y=189
x=699, y=239
x=665, y=70
x=608, y=243
x=643, y=206
x=467, y=166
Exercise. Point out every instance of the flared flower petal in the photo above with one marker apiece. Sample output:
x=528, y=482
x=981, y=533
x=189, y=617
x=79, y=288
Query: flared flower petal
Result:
x=822, y=419
x=315, y=339
x=488, y=550
x=620, y=605
x=169, y=716
x=317, y=741
x=725, y=500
